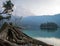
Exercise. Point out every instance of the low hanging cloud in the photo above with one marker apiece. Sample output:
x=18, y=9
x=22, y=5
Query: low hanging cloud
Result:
x=39, y=7
x=19, y=10
x=36, y=7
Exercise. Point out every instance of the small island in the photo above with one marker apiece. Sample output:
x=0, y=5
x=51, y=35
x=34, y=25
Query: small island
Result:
x=49, y=26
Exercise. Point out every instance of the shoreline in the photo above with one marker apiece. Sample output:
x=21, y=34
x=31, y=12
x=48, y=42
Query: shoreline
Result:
x=52, y=40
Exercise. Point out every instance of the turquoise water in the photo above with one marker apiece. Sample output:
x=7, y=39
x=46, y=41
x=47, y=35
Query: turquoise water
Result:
x=48, y=36
x=43, y=33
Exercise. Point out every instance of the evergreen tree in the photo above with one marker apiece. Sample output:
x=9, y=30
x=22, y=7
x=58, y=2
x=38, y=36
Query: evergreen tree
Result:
x=8, y=7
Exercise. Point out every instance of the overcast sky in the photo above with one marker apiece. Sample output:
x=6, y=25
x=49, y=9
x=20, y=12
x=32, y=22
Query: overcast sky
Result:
x=36, y=7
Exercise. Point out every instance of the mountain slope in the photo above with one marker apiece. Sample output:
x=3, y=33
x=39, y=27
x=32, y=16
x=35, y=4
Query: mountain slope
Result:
x=35, y=21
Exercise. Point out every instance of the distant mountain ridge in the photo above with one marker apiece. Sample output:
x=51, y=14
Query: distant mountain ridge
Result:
x=37, y=20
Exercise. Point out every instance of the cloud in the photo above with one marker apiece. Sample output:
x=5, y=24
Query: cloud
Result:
x=36, y=7
x=40, y=7
x=21, y=11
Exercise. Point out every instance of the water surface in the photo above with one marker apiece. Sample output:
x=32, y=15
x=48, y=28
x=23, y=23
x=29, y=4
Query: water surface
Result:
x=48, y=36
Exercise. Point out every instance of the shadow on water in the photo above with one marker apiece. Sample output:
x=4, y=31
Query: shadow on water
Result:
x=43, y=33
x=49, y=30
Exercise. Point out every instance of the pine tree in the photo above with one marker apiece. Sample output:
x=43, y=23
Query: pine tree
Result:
x=8, y=7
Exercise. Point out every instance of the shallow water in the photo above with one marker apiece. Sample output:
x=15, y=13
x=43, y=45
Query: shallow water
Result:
x=48, y=36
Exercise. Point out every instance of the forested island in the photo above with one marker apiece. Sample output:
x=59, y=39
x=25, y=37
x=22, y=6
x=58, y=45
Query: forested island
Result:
x=49, y=26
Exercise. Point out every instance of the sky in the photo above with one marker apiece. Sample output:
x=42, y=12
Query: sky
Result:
x=36, y=7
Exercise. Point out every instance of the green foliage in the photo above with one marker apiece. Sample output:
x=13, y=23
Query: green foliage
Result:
x=1, y=17
x=8, y=6
x=8, y=17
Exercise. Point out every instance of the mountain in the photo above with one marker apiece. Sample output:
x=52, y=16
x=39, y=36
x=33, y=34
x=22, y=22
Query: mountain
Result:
x=35, y=21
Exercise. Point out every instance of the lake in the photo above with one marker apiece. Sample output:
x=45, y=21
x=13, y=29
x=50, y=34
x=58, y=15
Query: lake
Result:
x=48, y=36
